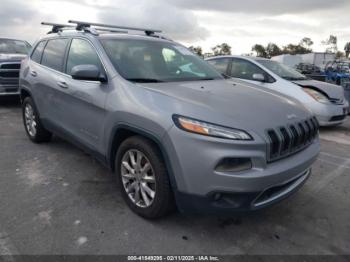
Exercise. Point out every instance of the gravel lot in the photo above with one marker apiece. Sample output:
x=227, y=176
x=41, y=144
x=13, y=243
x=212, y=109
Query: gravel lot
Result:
x=55, y=199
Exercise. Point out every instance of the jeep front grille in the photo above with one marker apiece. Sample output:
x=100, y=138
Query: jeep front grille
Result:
x=287, y=140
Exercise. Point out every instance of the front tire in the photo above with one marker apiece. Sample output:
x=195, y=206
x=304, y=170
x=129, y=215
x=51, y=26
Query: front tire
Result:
x=143, y=178
x=34, y=129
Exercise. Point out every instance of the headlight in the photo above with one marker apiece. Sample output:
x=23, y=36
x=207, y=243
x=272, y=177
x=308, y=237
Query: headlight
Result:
x=207, y=129
x=316, y=95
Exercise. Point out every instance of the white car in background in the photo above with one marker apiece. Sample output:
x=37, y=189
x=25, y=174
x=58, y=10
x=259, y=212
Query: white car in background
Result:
x=326, y=101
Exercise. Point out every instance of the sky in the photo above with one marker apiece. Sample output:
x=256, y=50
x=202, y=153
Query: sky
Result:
x=204, y=23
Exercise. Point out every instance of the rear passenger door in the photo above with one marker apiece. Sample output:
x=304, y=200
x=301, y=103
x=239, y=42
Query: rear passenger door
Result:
x=48, y=75
x=83, y=102
x=35, y=78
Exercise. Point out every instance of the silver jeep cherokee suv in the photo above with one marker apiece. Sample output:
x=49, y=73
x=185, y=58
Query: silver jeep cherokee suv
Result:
x=169, y=125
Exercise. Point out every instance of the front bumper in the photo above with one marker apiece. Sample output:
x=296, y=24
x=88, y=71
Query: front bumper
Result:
x=331, y=115
x=231, y=202
x=194, y=158
x=10, y=89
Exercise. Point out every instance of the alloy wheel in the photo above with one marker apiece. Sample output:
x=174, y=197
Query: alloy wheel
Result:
x=30, y=119
x=138, y=178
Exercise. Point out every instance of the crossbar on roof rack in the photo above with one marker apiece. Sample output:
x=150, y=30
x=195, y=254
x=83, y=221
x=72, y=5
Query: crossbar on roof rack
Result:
x=56, y=27
x=81, y=25
x=110, y=30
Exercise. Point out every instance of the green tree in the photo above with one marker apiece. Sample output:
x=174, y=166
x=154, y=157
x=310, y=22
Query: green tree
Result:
x=223, y=49
x=259, y=50
x=273, y=50
x=339, y=54
x=293, y=49
x=197, y=50
x=331, y=44
x=306, y=42
x=347, y=49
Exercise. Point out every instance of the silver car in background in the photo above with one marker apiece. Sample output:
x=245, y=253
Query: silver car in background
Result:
x=326, y=101
x=170, y=126
x=12, y=52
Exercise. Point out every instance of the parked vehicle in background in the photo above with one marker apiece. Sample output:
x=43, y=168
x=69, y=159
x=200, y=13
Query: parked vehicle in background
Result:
x=338, y=72
x=319, y=59
x=311, y=71
x=168, y=124
x=11, y=54
x=326, y=101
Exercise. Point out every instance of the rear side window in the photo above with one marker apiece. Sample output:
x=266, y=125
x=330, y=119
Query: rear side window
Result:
x=36, y=56
x=82, y=53
x=53, y=55
x=220, y=64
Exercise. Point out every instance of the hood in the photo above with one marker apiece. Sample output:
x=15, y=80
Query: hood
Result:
x=231, y=103
x=332, y=91
x=12, y=57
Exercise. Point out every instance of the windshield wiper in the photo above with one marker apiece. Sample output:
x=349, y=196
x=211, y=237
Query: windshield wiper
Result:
x=145, y=80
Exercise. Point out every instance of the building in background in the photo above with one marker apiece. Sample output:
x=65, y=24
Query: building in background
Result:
x=317, y=58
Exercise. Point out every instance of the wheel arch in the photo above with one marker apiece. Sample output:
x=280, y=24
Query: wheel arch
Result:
x=24, y=93
x=123, y=131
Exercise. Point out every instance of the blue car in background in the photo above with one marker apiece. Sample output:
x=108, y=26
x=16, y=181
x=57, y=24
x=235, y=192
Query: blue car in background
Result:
x=338, y=72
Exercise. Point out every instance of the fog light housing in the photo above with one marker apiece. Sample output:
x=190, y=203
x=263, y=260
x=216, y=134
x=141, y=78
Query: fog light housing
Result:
x=234, y=165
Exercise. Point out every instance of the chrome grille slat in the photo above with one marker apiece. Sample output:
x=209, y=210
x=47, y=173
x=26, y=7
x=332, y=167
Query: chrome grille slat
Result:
x=287, y=140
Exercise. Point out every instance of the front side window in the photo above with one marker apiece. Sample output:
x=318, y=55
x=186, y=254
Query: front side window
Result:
x=81, y=53
x=9, y=46
x=53, y=55
x=282, y=70
x=244, y=69
x=36, y=56
x=220, y=64
x=156, y=61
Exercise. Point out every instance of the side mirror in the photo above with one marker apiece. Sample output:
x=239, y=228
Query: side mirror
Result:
x=259, y=77
x=88, y=73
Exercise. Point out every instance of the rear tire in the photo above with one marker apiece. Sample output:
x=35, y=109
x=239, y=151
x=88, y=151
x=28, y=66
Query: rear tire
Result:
x=143, y=178
x=34, y=129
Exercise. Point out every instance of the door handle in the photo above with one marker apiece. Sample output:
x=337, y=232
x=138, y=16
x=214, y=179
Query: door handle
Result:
x=62, y=84
x=33, y=73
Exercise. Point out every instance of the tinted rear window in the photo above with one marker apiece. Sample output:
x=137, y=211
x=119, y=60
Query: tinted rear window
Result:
x=54, y=54
x=36, y=56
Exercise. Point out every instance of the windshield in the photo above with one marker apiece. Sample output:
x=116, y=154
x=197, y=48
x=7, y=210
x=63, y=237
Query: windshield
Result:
x=282, y=70
x=9, y=46
x=156, y=61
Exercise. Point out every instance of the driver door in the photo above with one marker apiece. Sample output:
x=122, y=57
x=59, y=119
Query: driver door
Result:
x=83, y=101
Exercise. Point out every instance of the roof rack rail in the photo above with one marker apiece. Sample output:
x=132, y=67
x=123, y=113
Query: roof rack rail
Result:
x=57, y=27
x=82, y=25
x=110, y=30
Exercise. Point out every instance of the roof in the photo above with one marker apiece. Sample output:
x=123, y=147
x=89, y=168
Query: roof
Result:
x=97, y=29
x=74, y=33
